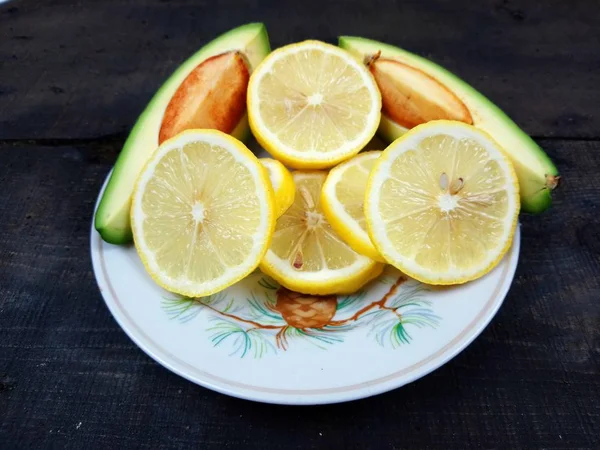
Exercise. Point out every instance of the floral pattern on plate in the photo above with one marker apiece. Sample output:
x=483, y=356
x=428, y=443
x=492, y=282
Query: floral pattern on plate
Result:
x=271, y=318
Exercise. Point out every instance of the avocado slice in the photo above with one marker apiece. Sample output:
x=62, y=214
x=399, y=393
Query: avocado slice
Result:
x=112, y=216
x=537, y=174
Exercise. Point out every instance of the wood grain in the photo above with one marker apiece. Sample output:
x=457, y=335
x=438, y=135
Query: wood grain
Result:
x=87, y=69
x=70, y=377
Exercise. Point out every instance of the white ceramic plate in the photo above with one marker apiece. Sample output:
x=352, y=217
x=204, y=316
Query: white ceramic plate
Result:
x=259, y=342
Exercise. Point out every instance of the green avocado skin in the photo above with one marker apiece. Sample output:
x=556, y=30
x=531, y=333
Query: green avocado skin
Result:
x=533, y=166
x=112, y=218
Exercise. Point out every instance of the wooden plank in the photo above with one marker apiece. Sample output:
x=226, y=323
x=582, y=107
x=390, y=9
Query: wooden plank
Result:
x=86, y=69
x=70, y=377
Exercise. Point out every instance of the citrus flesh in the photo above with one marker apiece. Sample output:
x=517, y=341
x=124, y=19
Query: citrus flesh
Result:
x=202, y=213
x=442, y=203
x=282, y=182
x=343, y=198
x=306, y=254
x=312, y=105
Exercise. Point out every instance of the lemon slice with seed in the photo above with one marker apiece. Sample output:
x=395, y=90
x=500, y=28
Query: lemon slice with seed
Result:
x=442, y=203
x=202, y=213
x=306, y=255
x=343, y=198
x=282, y=182
x=312, y=105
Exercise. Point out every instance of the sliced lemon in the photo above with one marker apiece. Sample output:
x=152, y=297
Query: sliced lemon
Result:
x=343, y=197
x=306, y=255
x=282, y=182
x=312, y=105
x=442, y=203
x=202, y=213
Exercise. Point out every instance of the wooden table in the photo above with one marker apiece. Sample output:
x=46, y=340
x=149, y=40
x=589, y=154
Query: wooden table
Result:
x=73, y=77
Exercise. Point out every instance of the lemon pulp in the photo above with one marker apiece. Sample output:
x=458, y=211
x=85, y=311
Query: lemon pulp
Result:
x=282, y=182
x=312, y=105
x=306, y=254
x=442, y=203
x=202, y=213
x=343, y=198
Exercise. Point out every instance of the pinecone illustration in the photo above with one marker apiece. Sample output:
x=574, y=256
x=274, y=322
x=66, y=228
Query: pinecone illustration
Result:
x=305, y=311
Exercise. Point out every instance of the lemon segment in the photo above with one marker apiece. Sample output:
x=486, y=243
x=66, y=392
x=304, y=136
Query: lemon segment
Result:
x=202, y=213
x=312, y=105
x=442, y=203
x=306, y=254
x=342, y=199
x=282, y=182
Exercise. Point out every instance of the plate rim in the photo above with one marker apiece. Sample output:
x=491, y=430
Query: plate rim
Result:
x=300, y=396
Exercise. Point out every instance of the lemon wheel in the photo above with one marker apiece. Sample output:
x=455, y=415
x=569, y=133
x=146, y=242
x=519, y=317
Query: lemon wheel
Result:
x=202, y=213
x=306, y=254
x=343, y=198
x=312, y=105
x=442, y=203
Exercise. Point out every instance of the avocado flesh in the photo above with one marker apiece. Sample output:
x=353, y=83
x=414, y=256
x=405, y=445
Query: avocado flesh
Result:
x=537, y=174
x=112, y=216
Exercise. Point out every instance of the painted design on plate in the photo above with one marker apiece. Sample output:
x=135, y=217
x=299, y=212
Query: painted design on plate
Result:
x=258, y=316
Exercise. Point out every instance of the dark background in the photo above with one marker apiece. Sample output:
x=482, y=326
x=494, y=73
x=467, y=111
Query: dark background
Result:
x=74, y=75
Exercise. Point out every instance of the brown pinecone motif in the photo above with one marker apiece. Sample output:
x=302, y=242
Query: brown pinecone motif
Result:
x=305, y=311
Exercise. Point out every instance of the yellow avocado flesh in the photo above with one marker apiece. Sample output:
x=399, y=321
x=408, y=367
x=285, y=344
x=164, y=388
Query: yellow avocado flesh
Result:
x=537, y=174
x=112, y=217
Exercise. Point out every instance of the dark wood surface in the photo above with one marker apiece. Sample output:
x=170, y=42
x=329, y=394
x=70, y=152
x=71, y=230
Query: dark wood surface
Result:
x=73, y=77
